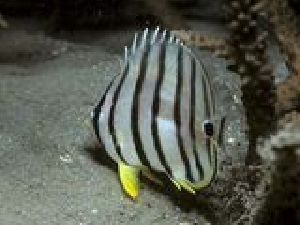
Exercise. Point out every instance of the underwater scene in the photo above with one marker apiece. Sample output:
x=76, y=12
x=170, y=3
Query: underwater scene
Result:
x=144, y=112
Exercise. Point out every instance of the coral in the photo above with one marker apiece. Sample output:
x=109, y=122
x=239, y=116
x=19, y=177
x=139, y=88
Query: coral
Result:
x=196, y=39
x=282, y=202
x=248, y=43
x=280, y=205
x=284, y=30
x=285, y=26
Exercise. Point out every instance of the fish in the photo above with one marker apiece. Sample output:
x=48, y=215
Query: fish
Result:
x=159, y=114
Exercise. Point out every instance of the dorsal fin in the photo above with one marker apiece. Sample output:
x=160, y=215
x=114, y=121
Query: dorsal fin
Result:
x=150, y=37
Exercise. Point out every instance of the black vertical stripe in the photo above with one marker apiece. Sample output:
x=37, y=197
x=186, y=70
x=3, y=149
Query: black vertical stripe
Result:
x=192, y=118
x=213, y=99
x=215, y=162
x=211, y=93
x=206, y=74
x=206, y=101
x=167, y=36
x=208, y=149
x=98, y=110
x=155, y=109
x=210, y=90
x=207, y=115
x=111, y=117
x=139, y=147
x=177, y=116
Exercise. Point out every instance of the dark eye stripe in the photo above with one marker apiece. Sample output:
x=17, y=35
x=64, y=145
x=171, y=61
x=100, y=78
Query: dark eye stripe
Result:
x=177, y=117
x=207, y=115
x=192, y=119
x=212, y=94
x=214, y=149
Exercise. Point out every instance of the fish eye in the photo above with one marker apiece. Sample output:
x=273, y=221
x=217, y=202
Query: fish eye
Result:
x=208, y=128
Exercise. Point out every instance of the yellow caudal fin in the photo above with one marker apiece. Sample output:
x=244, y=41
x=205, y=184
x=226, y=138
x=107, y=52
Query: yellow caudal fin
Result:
x=129, y=177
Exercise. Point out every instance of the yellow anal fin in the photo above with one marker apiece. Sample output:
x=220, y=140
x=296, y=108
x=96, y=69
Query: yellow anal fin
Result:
x=129, y=177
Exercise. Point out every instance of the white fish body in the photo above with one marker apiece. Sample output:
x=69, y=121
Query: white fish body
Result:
x=152, y=114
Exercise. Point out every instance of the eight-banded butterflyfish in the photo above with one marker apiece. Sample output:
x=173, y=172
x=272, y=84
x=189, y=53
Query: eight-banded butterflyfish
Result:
x=158, y=115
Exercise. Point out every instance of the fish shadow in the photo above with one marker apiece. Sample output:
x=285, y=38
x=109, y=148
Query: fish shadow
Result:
x=201, y=202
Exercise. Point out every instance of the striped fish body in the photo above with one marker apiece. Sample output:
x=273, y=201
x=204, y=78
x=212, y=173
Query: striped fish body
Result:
x=152, y=114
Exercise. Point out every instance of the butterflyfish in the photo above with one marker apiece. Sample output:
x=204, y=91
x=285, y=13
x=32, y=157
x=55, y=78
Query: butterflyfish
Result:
x=159, y=114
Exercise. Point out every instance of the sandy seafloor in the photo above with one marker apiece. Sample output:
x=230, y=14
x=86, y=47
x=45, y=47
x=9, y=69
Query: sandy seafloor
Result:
x=48, y=85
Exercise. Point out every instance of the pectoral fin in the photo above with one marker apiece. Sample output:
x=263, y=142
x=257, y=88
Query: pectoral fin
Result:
x=151, y=177
x=187, y=186
x=129, y=179
x=183, y=184
x=176, y=183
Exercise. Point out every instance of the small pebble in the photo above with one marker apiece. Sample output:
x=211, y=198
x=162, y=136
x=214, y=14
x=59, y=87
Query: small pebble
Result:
x=236, y=99
x=94, y=211
x=231, y=140
x=66, y=158
x=64, y=49
x=55, y=53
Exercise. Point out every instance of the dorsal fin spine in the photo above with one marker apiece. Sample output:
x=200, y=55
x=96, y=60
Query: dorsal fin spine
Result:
x=125, y=54
x=154, y=37
x=163, y=36
x=133, y=48
x=144, y=39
